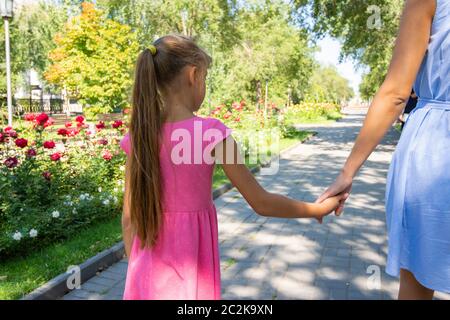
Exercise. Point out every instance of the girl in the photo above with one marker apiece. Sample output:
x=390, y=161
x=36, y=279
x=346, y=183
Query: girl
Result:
x=418, y=188
x=169, y=219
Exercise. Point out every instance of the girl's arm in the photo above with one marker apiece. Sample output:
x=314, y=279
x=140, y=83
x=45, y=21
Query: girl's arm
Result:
x=262, y=202
x=390, y=100
x=127, y=232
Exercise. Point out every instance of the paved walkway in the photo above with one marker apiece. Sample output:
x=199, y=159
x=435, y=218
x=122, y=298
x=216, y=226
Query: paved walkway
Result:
x=264, y=258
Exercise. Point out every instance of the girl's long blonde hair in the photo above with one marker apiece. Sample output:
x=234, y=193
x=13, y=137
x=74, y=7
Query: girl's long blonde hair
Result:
x=154, y=72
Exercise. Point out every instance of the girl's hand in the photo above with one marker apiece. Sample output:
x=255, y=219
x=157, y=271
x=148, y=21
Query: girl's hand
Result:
x=342, y=185
x=329, y=205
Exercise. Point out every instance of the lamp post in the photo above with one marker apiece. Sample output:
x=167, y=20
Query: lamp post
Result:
x=6, y=10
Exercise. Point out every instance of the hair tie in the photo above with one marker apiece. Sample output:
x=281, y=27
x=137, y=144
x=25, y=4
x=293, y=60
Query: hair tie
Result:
x=152, y=49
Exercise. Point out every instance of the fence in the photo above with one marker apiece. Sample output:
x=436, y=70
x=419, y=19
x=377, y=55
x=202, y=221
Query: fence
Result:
x=21, y=106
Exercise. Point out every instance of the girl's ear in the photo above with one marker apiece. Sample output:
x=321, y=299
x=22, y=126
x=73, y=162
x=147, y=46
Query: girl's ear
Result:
x=192, y=75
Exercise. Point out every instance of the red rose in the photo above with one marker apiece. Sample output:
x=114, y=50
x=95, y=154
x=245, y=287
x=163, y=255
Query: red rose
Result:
x=2, y=137
x=29, y=117
x=100, y=125
x=21, y=143
x=117, y=124
x=7, y=129
x=47, y=175
x=68, y=124
x=73, y=132
x=49, y=144
x=227, y=115
x=11, y=162
x=63, y=132
x=55, y=156
x=106, y=154
x=49, y=122
x=41, y=119
x=102, y=141
x=12, y=134
x=79, y=119
x=31, y=153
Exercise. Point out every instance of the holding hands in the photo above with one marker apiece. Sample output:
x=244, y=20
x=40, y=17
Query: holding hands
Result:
x=341, y=189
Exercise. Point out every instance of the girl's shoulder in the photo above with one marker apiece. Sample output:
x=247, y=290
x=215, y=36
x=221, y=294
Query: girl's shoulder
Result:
x=213, y=123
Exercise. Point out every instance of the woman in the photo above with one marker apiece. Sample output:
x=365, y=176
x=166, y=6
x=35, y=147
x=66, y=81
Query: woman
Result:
x=418, y=187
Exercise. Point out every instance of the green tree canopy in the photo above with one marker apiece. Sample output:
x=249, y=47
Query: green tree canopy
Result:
x=329, y=86
x=93, y=60
x=31, y=36
x=367, y=30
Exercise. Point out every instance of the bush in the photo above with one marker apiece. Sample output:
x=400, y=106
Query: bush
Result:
x=311, y=112
x=52, y=184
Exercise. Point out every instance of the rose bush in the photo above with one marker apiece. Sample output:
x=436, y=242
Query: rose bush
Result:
x=54, y=182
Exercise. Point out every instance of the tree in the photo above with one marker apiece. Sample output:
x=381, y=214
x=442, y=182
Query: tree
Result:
x=368, y=31
x=328, y=85
x=31, y=32
x=269, y=48
x=93, y=60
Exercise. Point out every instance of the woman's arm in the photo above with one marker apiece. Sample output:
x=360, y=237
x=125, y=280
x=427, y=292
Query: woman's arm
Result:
x=265, y=203
x=127, y=232
x=390, y=100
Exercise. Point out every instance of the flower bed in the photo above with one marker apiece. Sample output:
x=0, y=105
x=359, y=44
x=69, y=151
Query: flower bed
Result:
x=54, y=183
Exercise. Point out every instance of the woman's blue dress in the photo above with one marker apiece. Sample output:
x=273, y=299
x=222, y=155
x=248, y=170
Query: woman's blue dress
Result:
x=418, y=188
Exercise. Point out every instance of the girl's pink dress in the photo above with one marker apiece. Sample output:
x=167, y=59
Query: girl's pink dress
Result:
x=184, y=264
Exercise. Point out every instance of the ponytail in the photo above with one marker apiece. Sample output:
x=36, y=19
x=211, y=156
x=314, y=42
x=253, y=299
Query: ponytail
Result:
x=144, y=169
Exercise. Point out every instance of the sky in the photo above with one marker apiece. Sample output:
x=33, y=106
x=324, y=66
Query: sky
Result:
x=329, y=55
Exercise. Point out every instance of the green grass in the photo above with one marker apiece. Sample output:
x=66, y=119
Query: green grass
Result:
x=21, y=275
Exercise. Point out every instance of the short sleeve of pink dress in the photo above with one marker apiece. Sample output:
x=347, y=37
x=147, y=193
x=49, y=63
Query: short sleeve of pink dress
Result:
x=125, y=143
x=184, y=263
x=216, y=132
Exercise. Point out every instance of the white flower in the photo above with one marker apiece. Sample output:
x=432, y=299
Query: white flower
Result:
x=21, y=209
x=17, y=236
x=120, y=182
x=99, y=189
x=68, y=197
x=106, y=202
x=33, y=233
x=116, y=190
x=85, y=196
x=122, y=168
x=60, y=147
x=74, y=211
x=55, y=214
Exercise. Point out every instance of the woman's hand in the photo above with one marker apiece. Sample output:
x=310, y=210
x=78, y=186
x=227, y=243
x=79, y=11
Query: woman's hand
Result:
x=342, y=185
x=330, y=204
